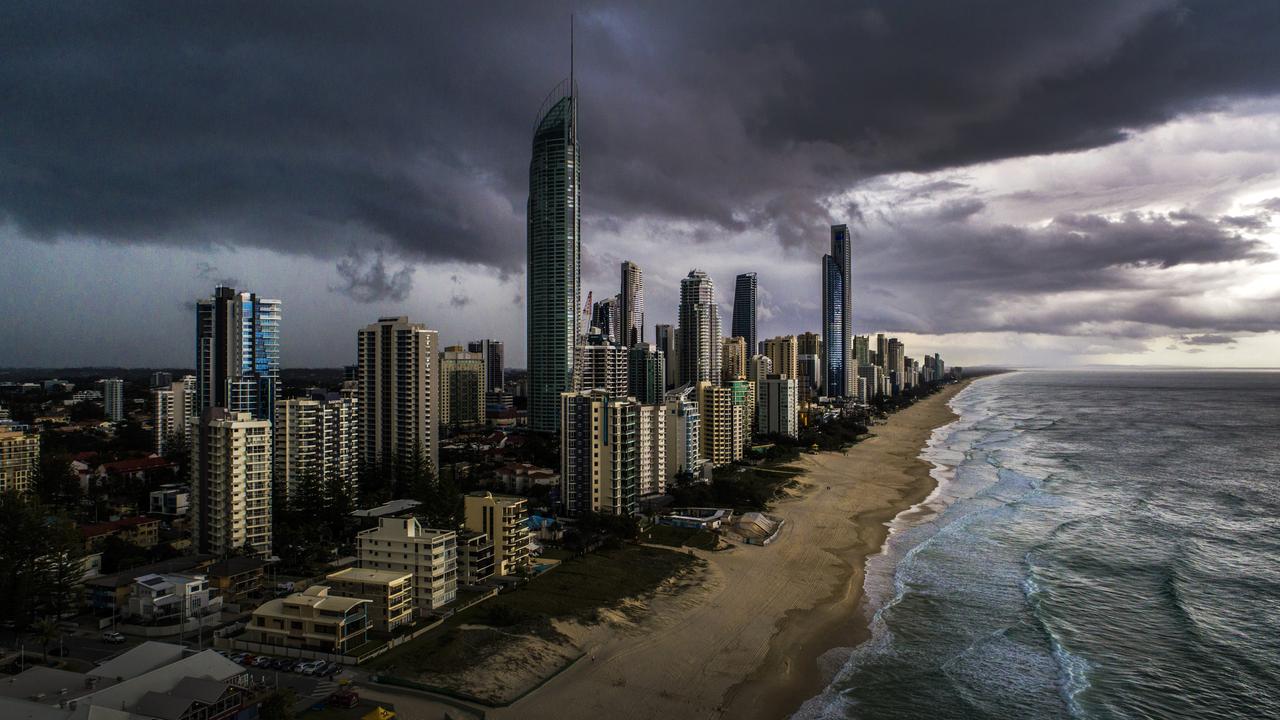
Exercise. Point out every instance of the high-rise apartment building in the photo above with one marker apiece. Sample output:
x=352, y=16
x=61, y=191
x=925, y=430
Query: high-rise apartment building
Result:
x=19, y=460
x=651, y=438
x=783, y=353
x=809, y=343
x=317, y=440
x=837, y=314
x=554, y=217
x=699, y=338
x=721, y=424
x=501, y=518
x=684, y=433
x=231, y=483
x=744, y=310
x=238, y=353
x=759, y=367
x=776, y=410
x=664, y=336
x=744, y=402
x=646, y=373
x=606, y=320
x=631, y=304
x=173, y=407
x=897, y=364
x=882, y=352
x=462, y=387
x=113, y=399
x=399, y=393
x=861, y=350
x=808, y=378
x=494, y=361
x=599, y=453
x=733, y=359
x=403, y=545
x=604, y=366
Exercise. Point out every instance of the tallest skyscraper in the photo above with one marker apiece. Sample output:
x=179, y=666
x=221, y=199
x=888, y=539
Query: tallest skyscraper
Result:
x=554, y=255
x=840, y=377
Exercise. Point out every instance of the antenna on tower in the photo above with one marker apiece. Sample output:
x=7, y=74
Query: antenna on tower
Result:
x=572, y=90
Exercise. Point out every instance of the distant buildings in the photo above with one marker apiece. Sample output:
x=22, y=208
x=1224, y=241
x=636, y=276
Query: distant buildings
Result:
x=462, y=387
x=501, y=518
x=664, y=336
x=238, y=353
x=837, y=314
x=733, y=359
x=399, y=394
x=606, y=319
x=699, y=333
x=113, y=399
x=646, y=373
x=403, y=545
x=19, y=460
x=174, y=405
x=631, y=304
x=317, y=440
x=783, y=353
x=554, y=217
x=231, y=483
x=494, y=362
x=744, y=311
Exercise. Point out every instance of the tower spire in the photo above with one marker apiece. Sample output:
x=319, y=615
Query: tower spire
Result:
x=572, y=88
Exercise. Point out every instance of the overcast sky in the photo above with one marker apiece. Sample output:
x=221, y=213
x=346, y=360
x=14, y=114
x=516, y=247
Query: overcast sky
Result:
x=1027, y=183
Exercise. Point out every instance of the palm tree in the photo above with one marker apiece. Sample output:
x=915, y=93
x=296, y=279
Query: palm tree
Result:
x=46, y=633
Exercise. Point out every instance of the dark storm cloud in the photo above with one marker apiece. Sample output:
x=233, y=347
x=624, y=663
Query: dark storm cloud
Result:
x=368, y=280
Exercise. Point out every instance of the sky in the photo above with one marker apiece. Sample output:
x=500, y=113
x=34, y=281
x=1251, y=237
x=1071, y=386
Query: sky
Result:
x=1027, y=183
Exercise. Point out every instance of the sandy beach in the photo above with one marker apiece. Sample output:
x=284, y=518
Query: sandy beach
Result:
x=746, y=643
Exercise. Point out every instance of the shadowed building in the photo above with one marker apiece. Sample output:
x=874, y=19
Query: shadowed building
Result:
x=744, y=311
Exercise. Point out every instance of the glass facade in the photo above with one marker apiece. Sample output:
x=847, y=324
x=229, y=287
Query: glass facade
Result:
x=238, y=353
x=554, y=264
x=837, y=315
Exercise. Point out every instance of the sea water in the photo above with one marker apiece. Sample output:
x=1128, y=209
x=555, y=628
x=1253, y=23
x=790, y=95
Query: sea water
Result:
x=1101, y=545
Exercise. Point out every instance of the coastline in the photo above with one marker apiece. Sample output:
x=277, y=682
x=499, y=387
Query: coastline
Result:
x=749, y=641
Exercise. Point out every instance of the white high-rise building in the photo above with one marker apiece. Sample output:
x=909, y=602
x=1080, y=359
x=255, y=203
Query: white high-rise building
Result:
x=399, y=391
x=684, y=433
x=652, y=439
x=699, y=336
x=173, y=406
x=113, y=399
x=604, y=367
x=631, y=304
x=231, y=483
x=402, y=544
x=318, y=438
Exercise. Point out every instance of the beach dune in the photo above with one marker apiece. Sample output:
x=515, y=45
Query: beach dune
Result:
x=746, y=643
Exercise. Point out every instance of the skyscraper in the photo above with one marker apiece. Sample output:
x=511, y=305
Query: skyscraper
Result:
x=399, y=393
x=317, y=439
x=733, y=358
x=554, y=219
x=837, y=315
x=599, y=458
x=231, y=483
x=664, y=336
x=606, y=318
x=631, y=304
x=238, y=353
x=744, y=310
x=113, y=399
x=462, y=381
x=784, y=353
x=699, y=339
x=604, y=366
x=494, y=361
x=646, y=373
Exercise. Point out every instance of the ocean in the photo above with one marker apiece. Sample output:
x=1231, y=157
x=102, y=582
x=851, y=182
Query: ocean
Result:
x=1101, y=545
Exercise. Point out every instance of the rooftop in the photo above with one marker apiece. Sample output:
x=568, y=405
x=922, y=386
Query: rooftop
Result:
x=369, y=575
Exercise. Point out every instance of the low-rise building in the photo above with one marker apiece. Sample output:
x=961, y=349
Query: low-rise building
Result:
x=475, y=558
x=314, y=619
x=237, y=578
x=501, y=518
x=162, y=598
x=170, y=501
x=402, y=544
x=523, y=477
x=141, y=530
x=389, y=592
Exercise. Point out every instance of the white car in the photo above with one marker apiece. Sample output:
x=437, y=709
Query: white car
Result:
x=112, y=637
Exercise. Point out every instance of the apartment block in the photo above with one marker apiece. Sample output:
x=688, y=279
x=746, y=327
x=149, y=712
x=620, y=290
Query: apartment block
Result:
x=389, y=592
x=231, y=483
x=402, y=544
x=501, y=518
x=475, y=558
x=651, y=439
x=319, y=439
x=19, y=460
x=776, y=408
x=599, y=453
x=721, y=434
x=314, y=619
x=173, y=406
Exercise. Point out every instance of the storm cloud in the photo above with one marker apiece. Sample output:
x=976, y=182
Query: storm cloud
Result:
x=382, y=136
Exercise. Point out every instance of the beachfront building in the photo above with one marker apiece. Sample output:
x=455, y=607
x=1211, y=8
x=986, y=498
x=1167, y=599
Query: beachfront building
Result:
x=759, y=367
x=744, y=399
x=315, y=619
x=403, y=545
x=599, y=453
x=776, y=411
x=475, y=558
x=651, y=439
x=837, y=314
x=683, y=433
x=389, y=592
x=502, y=519
x=721, y=424
x=808, y=378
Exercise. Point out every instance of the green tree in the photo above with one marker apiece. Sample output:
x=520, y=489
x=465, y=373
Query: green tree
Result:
x=46, y=631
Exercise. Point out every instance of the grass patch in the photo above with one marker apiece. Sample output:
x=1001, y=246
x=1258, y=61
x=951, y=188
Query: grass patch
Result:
x=679, y=537
x=577, y=590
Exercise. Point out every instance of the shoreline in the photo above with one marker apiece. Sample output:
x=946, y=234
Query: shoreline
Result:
x=748, y=641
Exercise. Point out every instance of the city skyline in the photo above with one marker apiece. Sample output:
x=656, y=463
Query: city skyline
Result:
x=1137, y=229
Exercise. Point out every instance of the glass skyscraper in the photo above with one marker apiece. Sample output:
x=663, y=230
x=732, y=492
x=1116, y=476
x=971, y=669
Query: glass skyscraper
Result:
x=238, y=353
x=839, y=373
x=744, y=311
x=554, y=256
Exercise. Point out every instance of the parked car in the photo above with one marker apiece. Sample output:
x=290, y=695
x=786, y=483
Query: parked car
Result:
x=330, y=668
x=246, y=659
x=238, y=658
x=299, y=665
x=282, y=664
x=262, y=661
x=313, y=668
x=344, y=699
x=112, y=637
